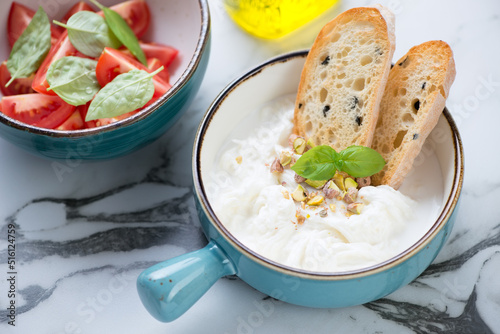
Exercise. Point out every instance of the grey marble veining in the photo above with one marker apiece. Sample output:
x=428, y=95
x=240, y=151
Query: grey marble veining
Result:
x=82, y=241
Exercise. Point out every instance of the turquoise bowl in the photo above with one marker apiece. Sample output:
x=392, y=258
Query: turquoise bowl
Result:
x=169, y=288
x=182, y=24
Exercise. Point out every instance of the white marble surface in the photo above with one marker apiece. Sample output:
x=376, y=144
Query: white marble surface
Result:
x=83, y=239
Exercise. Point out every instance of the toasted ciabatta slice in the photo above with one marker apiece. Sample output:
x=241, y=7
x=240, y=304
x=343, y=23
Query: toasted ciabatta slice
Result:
x=413, y=100
x=344, y=77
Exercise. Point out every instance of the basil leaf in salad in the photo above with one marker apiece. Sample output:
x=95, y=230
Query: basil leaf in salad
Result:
x=89, y=33
x=73, y=79
x=319, y=163
x=127, y=92
x=360, y=161
x=31, y=47
x=123, y=32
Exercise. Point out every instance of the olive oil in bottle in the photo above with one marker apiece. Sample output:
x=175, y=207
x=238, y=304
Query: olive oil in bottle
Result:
x=272, y=19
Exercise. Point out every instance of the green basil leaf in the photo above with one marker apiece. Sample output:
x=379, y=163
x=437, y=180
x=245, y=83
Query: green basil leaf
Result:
x=127, y=92
x=360, y=161
x=73, y=79
x=123, y=32
x=31, y=47
x=89, y=33
x=319, y=163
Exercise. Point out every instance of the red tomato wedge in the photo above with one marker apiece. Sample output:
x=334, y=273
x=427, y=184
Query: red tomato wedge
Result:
x=106, y=121
x=61, y=49
x=78, y=7
x=136, y=13
x=154, y=64
x=114, y=62
x=164, y=53
x=74, y=122
x=101, y=121
x=40, y=110
x=19, y=18
x=18, y=86
x=83, y=113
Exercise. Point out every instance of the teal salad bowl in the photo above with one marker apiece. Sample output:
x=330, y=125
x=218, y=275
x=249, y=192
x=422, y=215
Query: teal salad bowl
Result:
x=169, y=288
x=184, y=25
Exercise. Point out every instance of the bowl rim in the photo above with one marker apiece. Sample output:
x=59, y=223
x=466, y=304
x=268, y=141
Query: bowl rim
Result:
x=445, y=214
x=201, y=47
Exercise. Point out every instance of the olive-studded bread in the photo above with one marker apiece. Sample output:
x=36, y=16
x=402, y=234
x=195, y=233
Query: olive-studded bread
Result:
x=344, y=77
x=413, y=100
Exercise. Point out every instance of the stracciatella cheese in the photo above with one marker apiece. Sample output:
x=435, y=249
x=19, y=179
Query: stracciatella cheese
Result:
x=256, y=207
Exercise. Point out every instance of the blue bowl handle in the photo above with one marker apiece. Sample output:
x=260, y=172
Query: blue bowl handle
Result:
x=170, y=288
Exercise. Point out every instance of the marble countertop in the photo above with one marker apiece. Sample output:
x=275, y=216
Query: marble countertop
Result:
x=83, y=237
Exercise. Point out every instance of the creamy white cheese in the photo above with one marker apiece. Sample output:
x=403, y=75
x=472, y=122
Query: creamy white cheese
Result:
x=256, y=207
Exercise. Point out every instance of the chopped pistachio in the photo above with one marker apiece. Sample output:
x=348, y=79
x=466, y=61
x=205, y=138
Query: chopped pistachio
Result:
x=239, y=159
x=333, y=207
x=311, y=195
x=310, y=143
x=299, y=194
x=364, y=181
x=316, y=184
x=351, y=195
x=323, y=213
x=350, y=183
x=276, y=166
x=299, y=145
x=298, y=178
x=338, y=178
x=355, y=208
x=331, y=190
x=316, y=200
x=286, y=194
x=285, y=158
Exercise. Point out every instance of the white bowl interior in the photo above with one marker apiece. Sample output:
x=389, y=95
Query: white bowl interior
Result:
x=442, y=143
x=175, y=23
x=282, y=78
x=279, y=79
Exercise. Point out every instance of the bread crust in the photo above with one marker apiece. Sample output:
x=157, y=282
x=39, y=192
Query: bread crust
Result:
x=413, y=100
x=343, y=79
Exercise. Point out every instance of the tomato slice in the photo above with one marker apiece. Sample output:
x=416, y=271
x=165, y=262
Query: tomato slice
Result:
x=106, y=121
x=165, y=54
x=19, y=18
x=18, y=86
x=74, y=122
x=44, y=111
x=154, y=64
x=61, y=49
x=78, y=7
x=113, y=62
x=136, y=13
x=83, y=113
